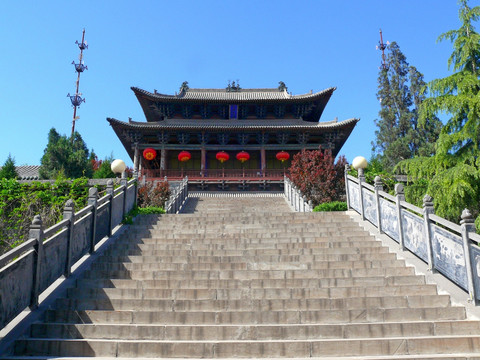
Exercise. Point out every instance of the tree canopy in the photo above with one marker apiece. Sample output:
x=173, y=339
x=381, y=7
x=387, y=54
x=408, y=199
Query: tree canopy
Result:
x=453, y=172
x=400, y=91
x=65, y=157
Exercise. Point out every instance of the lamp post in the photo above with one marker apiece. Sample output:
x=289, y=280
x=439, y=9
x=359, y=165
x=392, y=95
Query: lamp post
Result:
x=359, y=164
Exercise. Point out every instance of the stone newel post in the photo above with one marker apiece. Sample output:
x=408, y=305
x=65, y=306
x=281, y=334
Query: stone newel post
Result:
x=36, y=232
x=378, y=187
x=468, y=225
x=427, y=211
x=92, y=200
x=400, y=196
x=69, y=214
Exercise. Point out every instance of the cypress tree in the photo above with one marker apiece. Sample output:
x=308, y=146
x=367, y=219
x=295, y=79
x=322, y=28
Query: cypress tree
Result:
x=399, y=135
x=8, y=170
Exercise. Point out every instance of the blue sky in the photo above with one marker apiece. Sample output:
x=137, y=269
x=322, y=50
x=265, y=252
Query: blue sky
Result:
x=310, y=45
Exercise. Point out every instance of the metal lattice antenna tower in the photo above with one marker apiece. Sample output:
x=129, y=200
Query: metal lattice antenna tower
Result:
x=79, y=68
x=382, y=46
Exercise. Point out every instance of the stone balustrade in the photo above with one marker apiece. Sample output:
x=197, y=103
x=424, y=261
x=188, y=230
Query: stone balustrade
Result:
x=29, y=269
x=446, y=247
x=295, y=198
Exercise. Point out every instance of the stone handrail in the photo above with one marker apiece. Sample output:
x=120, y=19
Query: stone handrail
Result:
x=447, y=248
x=295, y=198
x=177, y=199
x=33, y=266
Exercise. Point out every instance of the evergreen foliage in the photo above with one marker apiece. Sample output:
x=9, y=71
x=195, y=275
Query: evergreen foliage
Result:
x=8, y=170
x=399, y=135
x=317, y=176
x=102, y=169
x=453, y=173
x=65, y=157
x=19, y=203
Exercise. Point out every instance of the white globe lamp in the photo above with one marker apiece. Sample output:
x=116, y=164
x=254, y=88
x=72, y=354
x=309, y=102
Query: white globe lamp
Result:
x=359, y=163
x=118, y=166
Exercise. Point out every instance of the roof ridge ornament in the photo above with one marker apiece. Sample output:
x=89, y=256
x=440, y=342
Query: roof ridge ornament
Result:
x=184, y=87
x=282, y=86
x=233, y=87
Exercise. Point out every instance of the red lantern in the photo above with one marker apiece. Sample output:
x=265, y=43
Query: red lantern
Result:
x=149, y=154
x=283, y=156
x=184, y=156
x=222, y=156
x=243, y=156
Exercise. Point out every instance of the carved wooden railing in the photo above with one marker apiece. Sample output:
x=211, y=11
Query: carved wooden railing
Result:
x=295, y=198
x=33, y=266
x=215, y=174
x=446, y=247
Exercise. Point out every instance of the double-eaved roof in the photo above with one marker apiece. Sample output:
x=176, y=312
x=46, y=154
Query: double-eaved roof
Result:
x=171, y=119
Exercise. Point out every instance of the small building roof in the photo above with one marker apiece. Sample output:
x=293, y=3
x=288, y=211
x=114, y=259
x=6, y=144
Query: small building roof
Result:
x=27, y=172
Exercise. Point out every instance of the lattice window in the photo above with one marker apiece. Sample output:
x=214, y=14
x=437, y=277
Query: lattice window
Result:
x=302, y=138
x=279, y=110
x=163, y=137
x=205, y=111
x=223, y=138
x=187, y=111
x=262, y=138
x=203, y=138
x=282, y=138
x=183, y=138
x=242, y=139
x=261, y=111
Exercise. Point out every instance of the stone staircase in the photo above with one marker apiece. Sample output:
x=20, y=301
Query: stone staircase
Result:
x=245, y=277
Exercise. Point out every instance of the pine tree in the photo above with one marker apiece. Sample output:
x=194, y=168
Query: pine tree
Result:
x=454, y=171
x=399, y=135
x=65, y=157
x=8, y=170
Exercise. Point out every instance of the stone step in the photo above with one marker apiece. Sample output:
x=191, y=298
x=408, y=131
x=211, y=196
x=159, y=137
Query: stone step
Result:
x=254, y=331
x=222, y=349
x=365, y=264
x=247, y=274
x=315, y=251
x=196, y=244
x=244, y=278
x=236, y=259
x=430, y=356
x=150, y=311
x=251, y=294
x=247, y=227
x=353, y=303
x=249, y=284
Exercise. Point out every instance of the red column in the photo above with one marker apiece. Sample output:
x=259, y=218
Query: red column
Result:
x=263, y=161
x=204, y=161
x=163, y=161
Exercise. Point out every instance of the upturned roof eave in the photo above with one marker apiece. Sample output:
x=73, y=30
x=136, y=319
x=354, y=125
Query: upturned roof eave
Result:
x=141, y=93
x=205, y=125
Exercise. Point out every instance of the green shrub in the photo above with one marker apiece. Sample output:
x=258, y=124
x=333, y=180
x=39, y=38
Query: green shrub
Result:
x=331, y=206
x=128, y=219
x=150, y=195
x=19, y=203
